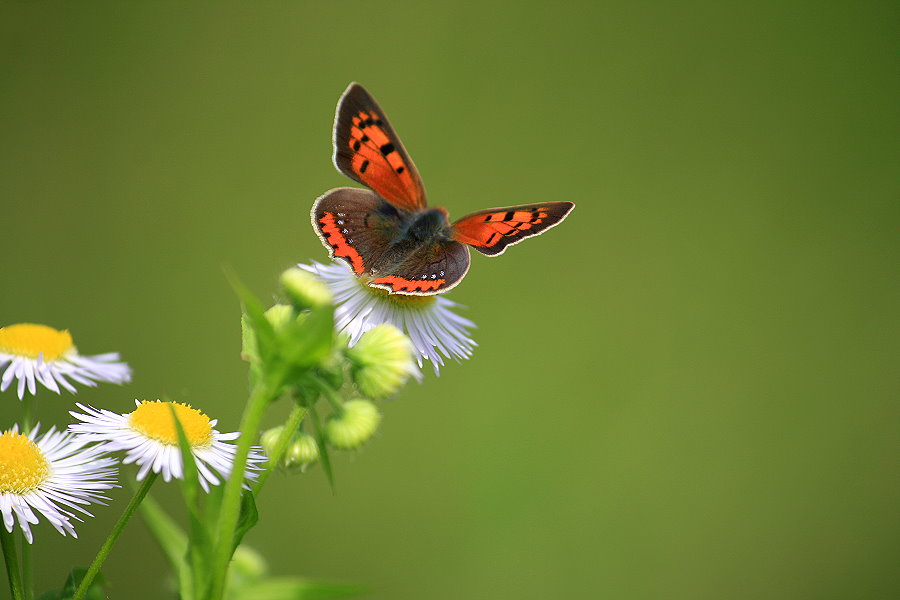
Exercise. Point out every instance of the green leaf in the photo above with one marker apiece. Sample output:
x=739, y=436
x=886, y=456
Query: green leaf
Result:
x=307, y=341
x=247, y=518
x=199, y=548
x=190, y=484
x=250, y=350
x=95, y=592
x=171, y=538
x=263, y=331
x=296, y=588
x=173, y=541
x=212, y=505
x=323, y=445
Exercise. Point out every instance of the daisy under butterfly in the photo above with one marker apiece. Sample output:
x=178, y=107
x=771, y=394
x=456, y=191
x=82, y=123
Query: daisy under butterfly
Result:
x=387, y=234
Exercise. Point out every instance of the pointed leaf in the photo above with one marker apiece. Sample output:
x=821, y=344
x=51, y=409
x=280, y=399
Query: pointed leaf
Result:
x=170, y=537
x=307, y=341
x=247, y=518
x=255, y=313
x=173, y=541
x=323, y=446
x=200, y=542
x=95, y=592
x=212, y=505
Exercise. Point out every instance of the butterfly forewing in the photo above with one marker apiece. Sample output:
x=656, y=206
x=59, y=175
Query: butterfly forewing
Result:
x=367, y=149
x=356, y=225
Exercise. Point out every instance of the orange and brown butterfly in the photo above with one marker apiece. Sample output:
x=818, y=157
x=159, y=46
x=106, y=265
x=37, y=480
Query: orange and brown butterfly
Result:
x=387, y=234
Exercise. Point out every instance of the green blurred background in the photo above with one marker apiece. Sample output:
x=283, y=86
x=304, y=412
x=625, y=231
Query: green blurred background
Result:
x=688, y=390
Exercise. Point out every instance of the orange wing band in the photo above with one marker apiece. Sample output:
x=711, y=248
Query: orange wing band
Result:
x=339, y=244
x=410, y=285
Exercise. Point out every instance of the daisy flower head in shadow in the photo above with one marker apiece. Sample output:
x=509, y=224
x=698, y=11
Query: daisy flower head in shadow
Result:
x=149, y=438
x=53, y=475
x=431, y=322
x=32, y=353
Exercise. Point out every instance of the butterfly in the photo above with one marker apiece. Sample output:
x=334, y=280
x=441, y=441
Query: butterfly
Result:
x=388, y=234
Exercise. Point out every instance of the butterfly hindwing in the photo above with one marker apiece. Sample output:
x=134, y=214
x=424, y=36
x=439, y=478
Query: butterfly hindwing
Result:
x=421, y=269
x=367, y=149
x=357, y=226
x=491, y=231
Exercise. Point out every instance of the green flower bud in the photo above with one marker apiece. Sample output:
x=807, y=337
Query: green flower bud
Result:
x=305, y=289
x=269, y=439
x=354, y=425
x=279, y=316
x=302, y=452
x=382, y=361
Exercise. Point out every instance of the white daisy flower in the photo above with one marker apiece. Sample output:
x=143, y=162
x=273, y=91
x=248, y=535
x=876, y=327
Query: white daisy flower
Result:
x=429, y=321
x=149, y=438
x=33, y=353
x=54, y=475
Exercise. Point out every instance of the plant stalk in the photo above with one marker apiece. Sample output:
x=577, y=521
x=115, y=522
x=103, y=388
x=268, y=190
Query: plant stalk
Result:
x=113, y=536
x=263, y=395
x=281, y=444
x=12, y=563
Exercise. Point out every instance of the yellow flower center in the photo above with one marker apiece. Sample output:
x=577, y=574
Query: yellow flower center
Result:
x=154, y=420
x=401, y=300
x=28, y=339
x=23, y=467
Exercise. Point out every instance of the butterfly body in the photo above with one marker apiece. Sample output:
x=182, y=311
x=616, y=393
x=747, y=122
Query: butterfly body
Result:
x=432, y=224
x=387, y=234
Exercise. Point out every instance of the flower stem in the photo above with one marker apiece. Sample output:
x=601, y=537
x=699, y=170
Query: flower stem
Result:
x=113, y=536
x=27, y=414
x=263, y=394
x=12, y=563
x=27, y=571
x=281, y=444
x=330, y=395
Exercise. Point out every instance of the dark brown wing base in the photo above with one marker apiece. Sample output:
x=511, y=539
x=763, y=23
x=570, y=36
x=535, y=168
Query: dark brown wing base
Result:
x=369, y=234
x=356, y=226
x=427, y=268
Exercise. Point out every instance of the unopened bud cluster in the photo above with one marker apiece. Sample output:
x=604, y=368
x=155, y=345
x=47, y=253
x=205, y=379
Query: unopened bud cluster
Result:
x=297, y=338
x=301, y=451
